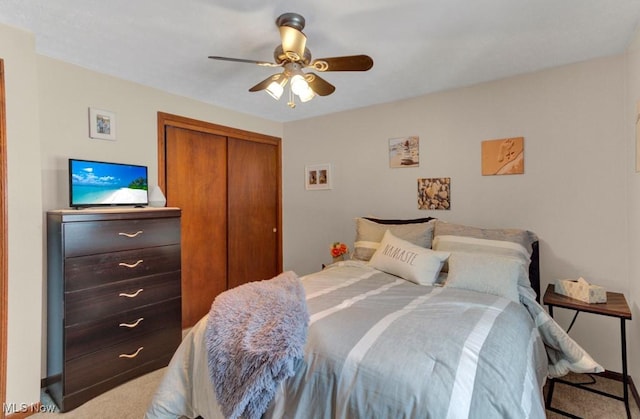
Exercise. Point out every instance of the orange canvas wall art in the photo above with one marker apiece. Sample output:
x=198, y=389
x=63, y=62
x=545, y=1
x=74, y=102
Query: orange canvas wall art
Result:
x=503, y=157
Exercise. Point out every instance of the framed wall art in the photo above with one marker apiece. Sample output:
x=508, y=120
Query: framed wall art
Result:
x=434, y=193
x=317, y=176
x=102, y=124
x=404, y=152
x=503, y=157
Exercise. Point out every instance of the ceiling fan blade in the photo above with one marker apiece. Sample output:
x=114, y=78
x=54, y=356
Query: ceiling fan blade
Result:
x=346, y=63
x=293, y=42
x=266, y=82
x=242, y=60
x=320, y=86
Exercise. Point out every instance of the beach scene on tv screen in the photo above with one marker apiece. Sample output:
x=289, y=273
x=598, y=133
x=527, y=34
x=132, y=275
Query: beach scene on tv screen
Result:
x=95, y=183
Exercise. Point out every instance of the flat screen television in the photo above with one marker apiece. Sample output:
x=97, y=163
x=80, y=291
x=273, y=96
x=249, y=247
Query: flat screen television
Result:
x=99, y=183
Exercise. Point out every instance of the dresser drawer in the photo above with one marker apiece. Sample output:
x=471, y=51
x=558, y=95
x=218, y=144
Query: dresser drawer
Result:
x=91, y=369
x=98, y=302
x=90, y=237
x=95, y=270
x=90, y=337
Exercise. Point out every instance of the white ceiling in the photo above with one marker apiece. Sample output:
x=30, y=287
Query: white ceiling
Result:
x=418, y=46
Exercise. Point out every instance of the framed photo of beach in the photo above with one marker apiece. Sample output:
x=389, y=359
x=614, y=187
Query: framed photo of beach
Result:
x=102, y=124
x=317, y=177
x=404, y=152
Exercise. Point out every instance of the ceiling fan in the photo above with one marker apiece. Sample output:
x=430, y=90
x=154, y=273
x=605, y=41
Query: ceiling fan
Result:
x=294, y=57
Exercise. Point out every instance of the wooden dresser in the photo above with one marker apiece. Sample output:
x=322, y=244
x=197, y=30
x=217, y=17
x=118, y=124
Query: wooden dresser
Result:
x=113, y=298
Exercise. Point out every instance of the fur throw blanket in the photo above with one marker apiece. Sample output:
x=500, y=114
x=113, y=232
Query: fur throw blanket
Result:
x=255, y=335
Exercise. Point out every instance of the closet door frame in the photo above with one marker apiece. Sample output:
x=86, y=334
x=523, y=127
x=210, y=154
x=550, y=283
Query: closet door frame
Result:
x=169, y=120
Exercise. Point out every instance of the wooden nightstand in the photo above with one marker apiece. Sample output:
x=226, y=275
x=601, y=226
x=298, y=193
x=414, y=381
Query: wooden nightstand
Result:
x=616, y=306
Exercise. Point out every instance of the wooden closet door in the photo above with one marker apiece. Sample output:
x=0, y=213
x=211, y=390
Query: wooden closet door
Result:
x=253, y=211
x=196, y=182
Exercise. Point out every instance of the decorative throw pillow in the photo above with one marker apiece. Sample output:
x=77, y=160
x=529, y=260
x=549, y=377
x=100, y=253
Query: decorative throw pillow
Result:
x=487, y=247
x=489, y=274
x=407, y=260
x=369, y=234
x=522, y=237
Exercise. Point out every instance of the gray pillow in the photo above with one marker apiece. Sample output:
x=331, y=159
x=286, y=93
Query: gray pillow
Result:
x=489, y=274
x=522, y=237
x=369, y=234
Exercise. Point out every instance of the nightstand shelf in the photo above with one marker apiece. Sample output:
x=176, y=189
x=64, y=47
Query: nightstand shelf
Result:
x=616, y=306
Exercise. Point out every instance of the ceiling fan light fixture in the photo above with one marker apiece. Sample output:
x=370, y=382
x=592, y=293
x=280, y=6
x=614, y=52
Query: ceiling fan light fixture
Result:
x=307, y=95
x=275, y=90
x=293, y=56
x=276, y=87
x=299, y=85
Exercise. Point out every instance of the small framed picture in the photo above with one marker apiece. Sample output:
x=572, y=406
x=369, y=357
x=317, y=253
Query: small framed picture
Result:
x=317, y=176
x=434, y=193
x=102, y=124
x=404, y=152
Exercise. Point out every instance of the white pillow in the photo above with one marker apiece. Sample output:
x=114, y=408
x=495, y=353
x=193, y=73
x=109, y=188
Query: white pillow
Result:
x=407, y=260
x=489, y=274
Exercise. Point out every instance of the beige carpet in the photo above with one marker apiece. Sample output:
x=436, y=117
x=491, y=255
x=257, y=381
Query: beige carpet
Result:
x=130, y=400
x=590, y=405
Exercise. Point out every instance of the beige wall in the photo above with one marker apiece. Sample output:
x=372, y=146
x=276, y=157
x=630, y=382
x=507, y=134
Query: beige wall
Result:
x=573, y=192
x=66, y=92
x=25, y=216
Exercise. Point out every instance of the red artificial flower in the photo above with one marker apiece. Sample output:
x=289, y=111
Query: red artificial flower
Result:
x=338, y=249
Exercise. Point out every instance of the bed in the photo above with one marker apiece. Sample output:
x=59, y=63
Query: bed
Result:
x=427, y=320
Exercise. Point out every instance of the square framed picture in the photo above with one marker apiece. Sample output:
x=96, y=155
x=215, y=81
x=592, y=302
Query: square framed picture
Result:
x=434, y=193
x=317, y=177
x=102, y=124
x=404, y=152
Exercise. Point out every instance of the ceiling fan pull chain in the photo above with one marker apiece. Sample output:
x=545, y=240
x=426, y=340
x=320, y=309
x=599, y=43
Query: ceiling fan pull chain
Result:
x=292, y=99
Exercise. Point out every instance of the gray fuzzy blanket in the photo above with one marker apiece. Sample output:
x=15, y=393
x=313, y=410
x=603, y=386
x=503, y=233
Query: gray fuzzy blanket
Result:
x=255, y=335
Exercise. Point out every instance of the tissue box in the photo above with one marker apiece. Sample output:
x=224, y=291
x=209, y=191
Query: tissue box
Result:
x=581, y=290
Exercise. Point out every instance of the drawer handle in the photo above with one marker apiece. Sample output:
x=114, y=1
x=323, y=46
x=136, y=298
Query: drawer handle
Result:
x=135, y=294
x=130, y=265
x=131, y=235
x=133, y=355
x=132, y=325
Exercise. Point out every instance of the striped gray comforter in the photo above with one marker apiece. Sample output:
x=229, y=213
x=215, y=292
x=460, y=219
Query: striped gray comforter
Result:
x=382, y=347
